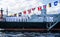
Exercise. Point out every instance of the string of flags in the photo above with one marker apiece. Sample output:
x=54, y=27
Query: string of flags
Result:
x=55, y=4
x=29, y=11
x=32, y=9
x=40, y=7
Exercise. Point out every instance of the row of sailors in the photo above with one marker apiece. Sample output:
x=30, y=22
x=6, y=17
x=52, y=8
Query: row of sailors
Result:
x=28, y=19
x=17, y=19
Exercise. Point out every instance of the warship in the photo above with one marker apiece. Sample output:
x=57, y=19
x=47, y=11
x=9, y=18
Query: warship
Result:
x=42, y=22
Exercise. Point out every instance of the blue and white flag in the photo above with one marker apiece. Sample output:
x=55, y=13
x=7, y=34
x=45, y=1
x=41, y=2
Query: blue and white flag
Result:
x=55, y=3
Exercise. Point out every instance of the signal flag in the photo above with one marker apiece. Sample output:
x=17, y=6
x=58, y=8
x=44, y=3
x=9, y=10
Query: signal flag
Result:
x=29, y=11
x=49, y=4
x=33, y=9
x=15, y=14
x=39, y=8
x=20, y=13
x=55, y=3
x=44, y=6
x=24, y=12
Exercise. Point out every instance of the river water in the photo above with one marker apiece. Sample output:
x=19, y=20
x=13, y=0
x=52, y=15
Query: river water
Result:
x=28, y=34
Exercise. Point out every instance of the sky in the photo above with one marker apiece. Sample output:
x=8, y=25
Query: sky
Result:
x=15, y=6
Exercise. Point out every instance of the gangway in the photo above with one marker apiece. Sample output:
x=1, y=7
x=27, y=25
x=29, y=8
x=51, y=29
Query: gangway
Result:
x=55, y=22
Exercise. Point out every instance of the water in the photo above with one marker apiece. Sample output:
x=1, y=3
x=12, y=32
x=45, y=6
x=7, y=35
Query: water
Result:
x=28, y=34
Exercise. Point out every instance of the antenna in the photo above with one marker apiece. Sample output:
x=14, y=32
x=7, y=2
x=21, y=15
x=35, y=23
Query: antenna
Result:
x=7, y=11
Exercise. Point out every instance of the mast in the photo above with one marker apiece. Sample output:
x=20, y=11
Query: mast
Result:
x=7, y=11
x=1, y=14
